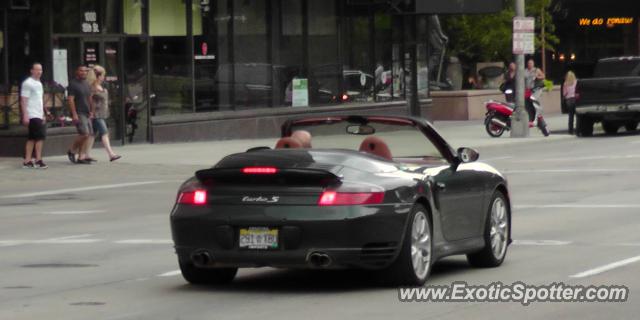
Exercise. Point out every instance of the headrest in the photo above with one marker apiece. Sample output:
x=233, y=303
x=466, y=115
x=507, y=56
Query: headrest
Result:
x=377, y=146
x=288, y=143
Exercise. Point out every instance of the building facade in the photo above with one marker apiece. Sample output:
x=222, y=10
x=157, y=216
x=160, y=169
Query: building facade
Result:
x=593, y=29
x=180, y=61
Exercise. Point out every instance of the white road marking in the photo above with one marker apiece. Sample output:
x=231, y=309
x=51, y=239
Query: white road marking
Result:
x=84, y=239
x=144, y=241
x=541, y=242
x=62, y=191
x=74, y=212
x=577, y=206
x=496, y=158
x=572, y=170
x=607, y=157
x=170, y=273
x=605, y=268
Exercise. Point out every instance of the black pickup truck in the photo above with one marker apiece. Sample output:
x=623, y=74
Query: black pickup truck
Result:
x=611, y=97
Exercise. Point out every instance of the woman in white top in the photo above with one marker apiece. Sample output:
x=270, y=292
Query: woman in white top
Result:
x=569, y=96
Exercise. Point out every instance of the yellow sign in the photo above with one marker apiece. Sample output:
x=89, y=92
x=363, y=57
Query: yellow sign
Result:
x=609, y=22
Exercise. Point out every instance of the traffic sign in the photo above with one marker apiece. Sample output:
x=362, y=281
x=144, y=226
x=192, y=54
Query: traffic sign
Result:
x=523, y=35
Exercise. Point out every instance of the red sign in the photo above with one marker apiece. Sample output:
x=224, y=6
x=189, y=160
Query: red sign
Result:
x=204, y=48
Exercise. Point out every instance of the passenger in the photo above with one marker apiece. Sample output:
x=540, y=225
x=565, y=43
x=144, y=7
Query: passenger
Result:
x=303, y=136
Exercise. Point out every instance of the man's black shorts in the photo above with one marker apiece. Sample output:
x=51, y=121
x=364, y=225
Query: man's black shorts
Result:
x=37, y=129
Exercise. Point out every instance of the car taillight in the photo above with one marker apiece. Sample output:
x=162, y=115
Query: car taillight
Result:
x=195, y=197
x=345, y=97
x=333, y=198
x=259, y=170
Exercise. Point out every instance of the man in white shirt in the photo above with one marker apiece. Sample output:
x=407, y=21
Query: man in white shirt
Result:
x=33, y=117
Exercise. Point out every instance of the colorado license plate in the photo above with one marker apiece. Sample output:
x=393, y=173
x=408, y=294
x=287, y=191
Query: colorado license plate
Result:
x=258, y=238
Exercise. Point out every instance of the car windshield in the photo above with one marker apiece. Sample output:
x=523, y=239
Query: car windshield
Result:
x=403, y=141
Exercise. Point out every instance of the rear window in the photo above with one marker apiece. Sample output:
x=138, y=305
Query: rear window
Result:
x=617, y=68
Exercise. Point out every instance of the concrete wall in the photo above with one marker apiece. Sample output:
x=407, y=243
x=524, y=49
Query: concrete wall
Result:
x=260, y=123
x=469, y=104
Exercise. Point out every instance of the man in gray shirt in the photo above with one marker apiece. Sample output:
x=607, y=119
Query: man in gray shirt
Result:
x=79, y=100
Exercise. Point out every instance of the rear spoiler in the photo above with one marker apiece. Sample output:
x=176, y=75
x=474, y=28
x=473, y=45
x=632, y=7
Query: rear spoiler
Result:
x=281, y=176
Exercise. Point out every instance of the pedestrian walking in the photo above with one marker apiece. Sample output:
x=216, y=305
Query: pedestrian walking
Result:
x=569, y=96
x=79, y=100
x=100, y=99
x=34, y=117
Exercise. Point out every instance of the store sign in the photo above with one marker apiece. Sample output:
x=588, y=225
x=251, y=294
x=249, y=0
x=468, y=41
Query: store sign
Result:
x=609, y=22
x=90, y=22
x=523, y=35
x=300, y=94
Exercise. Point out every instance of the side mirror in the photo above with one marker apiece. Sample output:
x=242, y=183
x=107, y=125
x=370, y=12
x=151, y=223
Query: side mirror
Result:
x=467, y=155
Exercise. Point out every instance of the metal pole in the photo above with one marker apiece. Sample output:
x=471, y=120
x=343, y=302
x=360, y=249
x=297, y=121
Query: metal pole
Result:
x=520, y=119
x=542, y=33
x=414, y=100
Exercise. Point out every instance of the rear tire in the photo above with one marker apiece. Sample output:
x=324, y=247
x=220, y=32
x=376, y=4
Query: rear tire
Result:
x=584, y=126
x=200, y=276
x=413, y=264
x=492, y=129
x=631, y=126
x=496, y=234
x=610, y=127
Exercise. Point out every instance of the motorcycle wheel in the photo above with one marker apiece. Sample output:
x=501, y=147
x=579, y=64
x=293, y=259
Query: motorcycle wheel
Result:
x=492, y=129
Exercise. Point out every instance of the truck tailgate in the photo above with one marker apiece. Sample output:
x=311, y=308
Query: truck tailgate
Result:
x=608, y=91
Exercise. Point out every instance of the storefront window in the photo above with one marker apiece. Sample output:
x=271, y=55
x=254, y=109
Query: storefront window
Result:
x=358, y=80
x=3, y=53
x=289, y=53
x=252, y=73
x=383, y=75
x=25, y=41
x=132, y=16
x=171, y=57
x=325, y=71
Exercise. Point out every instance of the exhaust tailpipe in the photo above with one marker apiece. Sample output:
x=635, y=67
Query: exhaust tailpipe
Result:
x=319, y=260
x=202, y=258
x=498, y=122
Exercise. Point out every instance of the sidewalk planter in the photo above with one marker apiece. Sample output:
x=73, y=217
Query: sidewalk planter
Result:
x=469, y=104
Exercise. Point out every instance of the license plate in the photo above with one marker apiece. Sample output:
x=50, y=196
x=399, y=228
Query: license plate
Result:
x=258, y=238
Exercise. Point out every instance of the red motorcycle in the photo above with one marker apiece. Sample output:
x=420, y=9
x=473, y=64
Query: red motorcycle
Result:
x=498, y=117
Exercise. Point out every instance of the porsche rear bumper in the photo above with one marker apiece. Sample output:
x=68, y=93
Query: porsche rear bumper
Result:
x=352, y=237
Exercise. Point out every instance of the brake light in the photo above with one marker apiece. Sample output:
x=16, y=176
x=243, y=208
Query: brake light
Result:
x=345, y=97
x=259, y=170
x=195, y=197
x=333, y=198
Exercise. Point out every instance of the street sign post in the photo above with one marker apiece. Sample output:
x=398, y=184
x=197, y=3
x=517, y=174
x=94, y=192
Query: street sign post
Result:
x=523, y=43
x=523, y=35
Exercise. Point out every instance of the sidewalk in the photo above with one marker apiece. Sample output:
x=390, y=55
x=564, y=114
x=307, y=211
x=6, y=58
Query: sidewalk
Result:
x=457, y=133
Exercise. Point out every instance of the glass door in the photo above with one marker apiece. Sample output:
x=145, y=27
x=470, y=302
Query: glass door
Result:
x=136, y=89
x=107, y=53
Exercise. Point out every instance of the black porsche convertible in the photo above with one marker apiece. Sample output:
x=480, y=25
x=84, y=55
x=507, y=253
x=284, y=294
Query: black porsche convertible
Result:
x=373, y=192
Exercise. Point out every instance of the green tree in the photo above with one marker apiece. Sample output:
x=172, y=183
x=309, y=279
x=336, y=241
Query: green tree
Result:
x=475, y=38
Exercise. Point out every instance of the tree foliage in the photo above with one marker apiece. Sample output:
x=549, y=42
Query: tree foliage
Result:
x=488, y=37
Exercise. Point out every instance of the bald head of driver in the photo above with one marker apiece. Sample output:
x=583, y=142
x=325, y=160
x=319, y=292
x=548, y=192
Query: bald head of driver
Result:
x=303, y=136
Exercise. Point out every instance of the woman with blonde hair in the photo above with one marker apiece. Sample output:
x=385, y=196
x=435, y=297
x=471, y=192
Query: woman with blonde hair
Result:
x=100, y=104
x=569, y=96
